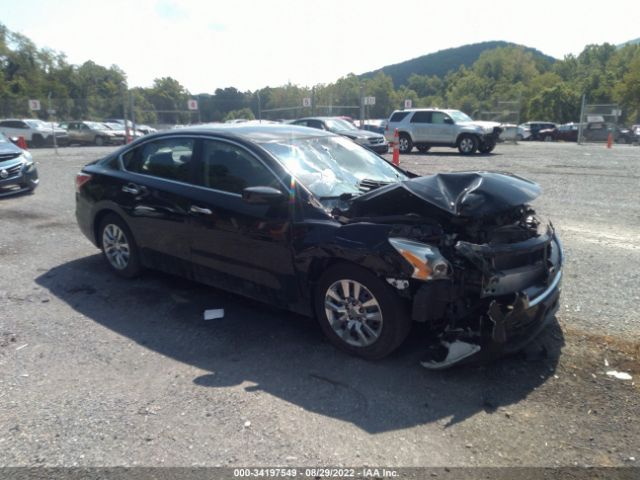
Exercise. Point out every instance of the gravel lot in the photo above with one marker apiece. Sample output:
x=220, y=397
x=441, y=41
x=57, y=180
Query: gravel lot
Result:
x=97, y=371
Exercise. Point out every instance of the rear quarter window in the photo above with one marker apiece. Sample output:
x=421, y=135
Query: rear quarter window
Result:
x=398, y=116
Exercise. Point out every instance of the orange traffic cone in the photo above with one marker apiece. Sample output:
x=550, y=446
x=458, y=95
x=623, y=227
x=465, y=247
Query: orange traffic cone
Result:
x=396, y=148
x=609, y=140
x=22, y=143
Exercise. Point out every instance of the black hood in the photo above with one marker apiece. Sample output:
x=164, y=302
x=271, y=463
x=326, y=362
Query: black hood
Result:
x=462, y=194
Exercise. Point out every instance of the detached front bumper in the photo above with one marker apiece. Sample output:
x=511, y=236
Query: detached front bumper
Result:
x=518, y=303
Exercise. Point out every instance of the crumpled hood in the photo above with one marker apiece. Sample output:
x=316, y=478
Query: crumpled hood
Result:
x=463, y=194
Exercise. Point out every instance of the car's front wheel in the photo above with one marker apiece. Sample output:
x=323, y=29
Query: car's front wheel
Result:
x=99, y=141
x=486, y=147
x=467, y=144
x=119, y=247
x=359, y=313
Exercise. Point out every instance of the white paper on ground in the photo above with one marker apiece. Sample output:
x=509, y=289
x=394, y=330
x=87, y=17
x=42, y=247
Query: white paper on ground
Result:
x=214, y=314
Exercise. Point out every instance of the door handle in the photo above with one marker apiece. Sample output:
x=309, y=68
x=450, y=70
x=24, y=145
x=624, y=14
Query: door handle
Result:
x=133, y=189
x=196, y=209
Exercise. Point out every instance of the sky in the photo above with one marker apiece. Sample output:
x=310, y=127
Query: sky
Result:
x=252, y=44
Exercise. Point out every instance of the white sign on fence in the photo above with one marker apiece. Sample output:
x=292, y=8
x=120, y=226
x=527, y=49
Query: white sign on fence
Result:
x=306, y=102
x=369, y=100
x=408, y=103
x=34, y=105
x=192, y=104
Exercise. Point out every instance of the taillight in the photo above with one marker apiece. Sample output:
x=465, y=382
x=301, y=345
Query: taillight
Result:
x=81, y=179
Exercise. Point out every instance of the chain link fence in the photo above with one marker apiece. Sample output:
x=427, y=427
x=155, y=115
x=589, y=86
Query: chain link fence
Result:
x=601, y=123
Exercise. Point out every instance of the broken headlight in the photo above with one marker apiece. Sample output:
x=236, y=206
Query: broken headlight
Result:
x=427, y=261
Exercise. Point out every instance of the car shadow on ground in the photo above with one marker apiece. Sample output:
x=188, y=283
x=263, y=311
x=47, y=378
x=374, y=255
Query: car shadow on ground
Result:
x=286, y=355
x=451, y=153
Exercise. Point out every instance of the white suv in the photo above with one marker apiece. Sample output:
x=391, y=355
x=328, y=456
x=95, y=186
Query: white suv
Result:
x=35, y=132
x=432, y=127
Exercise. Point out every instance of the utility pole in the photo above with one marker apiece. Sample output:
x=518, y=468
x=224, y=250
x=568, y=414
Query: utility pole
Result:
x=584, y=99
x=259, y=107
x=361, y=105
x=133, y=114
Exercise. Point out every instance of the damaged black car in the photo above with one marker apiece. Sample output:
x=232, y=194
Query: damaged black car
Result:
x=314, y=223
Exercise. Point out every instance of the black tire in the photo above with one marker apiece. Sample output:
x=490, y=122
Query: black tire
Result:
x=622, y=140
x=548, y=138
x=423, y=148
x=37, y=141
x=467, y=144
x=405, y=144
x=99, y=141
x=394, y=326
x=133, y=266
x=519, y=138
x=486, y=147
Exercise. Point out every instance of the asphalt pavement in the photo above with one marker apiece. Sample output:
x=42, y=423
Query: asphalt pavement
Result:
x=99, y=371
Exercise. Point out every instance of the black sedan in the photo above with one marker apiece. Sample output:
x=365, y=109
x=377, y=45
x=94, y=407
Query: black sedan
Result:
x=309, y=221
x=18, y=173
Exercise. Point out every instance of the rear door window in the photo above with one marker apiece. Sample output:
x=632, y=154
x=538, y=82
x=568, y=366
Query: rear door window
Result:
x=169, y=158
x=421, y=117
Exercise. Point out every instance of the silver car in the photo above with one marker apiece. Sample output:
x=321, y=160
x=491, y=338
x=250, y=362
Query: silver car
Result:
x=431, y=127
x=93, y=133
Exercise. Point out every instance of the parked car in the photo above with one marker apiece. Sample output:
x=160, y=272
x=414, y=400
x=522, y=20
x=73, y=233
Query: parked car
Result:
x=145, y=129
x=531, y=130
x=18, y=172
x=599, y=132
x=509, y=132
x=35, y=132
x=371, y=140
x=376, y=126
x=431, y=127
x=342, y=235
x=119, y=130
x=94, y=133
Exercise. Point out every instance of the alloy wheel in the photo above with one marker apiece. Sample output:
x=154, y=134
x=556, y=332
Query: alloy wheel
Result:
x=116, y=246
x=353, y=313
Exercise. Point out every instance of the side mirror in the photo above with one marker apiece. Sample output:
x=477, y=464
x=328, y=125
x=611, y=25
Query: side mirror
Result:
x=262, y=195
x=448, y=121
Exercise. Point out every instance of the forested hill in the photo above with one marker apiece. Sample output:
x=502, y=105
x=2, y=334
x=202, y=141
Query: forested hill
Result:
x=443, y=61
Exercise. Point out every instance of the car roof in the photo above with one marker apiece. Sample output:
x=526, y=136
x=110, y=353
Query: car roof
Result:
x=261, y=133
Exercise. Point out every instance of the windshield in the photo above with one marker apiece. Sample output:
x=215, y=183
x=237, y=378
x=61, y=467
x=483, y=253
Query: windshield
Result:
x=114, y=126
x=458, y=116
x=332, y=166
x=339, y=124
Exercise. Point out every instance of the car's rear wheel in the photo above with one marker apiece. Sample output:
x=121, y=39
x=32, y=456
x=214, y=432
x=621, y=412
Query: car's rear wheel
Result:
x=423, y=148
x=548, y=138
x=467, y=144
x=622, y=140
x=359, y=313
x=119, y=247
x=405, y=144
